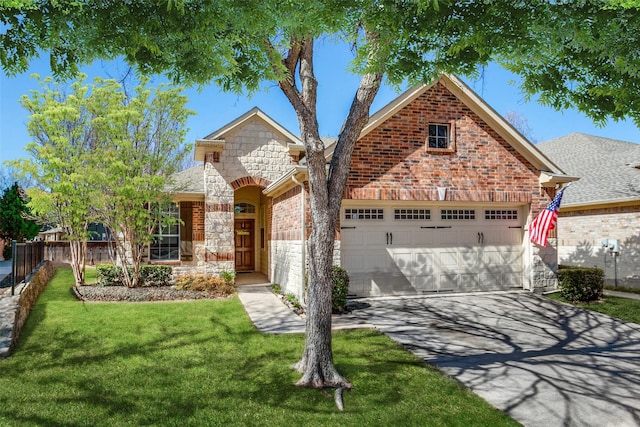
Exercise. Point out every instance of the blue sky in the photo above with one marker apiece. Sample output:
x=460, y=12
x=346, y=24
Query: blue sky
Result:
x=215, y=108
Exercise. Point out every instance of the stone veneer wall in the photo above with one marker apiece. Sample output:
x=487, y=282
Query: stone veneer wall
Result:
x=253, y=154
x=580, y=234
x=392, y=162
x=19, y=305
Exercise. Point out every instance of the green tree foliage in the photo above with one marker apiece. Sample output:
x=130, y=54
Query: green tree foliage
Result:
x=581, y=54
x=16, y=220
x=100, y=156
x=142, y=146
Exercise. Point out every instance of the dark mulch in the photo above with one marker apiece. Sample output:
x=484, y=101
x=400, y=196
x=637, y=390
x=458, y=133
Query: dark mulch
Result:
x=122, y=293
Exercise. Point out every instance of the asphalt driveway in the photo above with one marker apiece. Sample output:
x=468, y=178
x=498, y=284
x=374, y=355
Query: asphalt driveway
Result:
x=543, y=363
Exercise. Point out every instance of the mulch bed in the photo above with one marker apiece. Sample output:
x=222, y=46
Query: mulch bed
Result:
x=124, y=294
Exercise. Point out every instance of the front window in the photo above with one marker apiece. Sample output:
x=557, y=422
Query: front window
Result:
x=166, y=238
x=438, y=136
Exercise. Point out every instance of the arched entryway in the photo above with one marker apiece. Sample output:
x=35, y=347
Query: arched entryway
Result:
x=250, y=229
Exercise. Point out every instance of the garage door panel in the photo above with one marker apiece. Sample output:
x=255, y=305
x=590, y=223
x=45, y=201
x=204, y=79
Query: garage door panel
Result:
x=401, y=238
x=357, y=285
x=512, y=280
x=403, y=261
x=469, y=257
x=448, y=281
x=468, y=282
x=491, y=281
x=424, y=283
x=405, y=255
x=423, y=262
x=448, y=259
x=423, y=237
x=511, y=256
x=493, y=257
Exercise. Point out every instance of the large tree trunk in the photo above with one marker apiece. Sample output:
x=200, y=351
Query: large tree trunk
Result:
x=326, y=191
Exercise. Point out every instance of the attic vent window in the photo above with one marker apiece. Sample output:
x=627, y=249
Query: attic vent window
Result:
x=441, y=137
x=438, y=136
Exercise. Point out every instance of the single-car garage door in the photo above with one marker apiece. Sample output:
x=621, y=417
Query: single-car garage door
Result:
x=413, y=250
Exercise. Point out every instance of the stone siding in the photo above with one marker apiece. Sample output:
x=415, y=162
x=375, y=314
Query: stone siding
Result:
x=253, y=154
x=581, y=233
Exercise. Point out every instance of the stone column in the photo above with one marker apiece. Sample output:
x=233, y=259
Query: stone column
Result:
x=545, y=266
x=218, y=218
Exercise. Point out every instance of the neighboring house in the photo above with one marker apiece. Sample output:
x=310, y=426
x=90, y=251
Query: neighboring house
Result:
x=603, y=204
x=439, y=196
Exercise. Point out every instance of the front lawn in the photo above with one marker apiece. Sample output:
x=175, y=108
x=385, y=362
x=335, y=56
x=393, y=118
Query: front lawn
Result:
x=621, y=308
x=203, y=363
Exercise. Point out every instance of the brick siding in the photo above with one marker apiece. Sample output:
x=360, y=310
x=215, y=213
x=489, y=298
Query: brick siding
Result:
x=392, y=161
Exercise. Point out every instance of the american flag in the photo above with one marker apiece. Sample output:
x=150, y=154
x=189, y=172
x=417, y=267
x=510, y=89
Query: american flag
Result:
x=545, y=221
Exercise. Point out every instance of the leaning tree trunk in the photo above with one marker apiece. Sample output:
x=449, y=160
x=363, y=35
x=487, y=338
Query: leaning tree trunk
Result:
x=326, y=191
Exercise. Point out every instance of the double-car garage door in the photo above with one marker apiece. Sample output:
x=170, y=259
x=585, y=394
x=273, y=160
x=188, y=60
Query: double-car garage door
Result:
x=412, y=250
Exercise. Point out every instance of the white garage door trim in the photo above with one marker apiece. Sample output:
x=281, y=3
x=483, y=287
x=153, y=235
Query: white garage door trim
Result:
x=413, y=249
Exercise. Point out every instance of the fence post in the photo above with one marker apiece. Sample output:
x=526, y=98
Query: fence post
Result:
x=14, y=267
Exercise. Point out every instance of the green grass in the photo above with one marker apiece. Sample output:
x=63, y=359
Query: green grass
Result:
x=203, y=363
x=620, y=308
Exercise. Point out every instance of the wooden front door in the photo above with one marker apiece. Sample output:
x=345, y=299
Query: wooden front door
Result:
x=245, y=247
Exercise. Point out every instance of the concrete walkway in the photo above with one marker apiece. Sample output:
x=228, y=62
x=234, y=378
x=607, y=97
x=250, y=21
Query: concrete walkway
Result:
x=270, y=315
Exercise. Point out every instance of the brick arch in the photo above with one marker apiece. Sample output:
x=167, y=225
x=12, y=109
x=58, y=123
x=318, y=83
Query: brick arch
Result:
x=249, y=180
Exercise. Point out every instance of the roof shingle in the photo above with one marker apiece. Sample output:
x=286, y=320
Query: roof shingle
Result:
x=606, y=167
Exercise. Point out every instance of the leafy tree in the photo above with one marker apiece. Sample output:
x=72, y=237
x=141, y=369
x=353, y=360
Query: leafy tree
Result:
x=16, y=221
x=141, y=148
x=62, y=161
x=100, y=156
x=581, y=54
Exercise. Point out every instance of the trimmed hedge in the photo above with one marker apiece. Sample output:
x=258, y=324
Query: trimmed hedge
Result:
x=581, y=284
x=150, y=275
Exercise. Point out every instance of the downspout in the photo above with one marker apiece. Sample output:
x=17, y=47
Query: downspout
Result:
x=303, y=233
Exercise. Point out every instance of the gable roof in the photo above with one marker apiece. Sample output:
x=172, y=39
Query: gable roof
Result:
x=465, y=94
x=254, y=112
x=608, y=169
x=215, y=140
x=188, y=184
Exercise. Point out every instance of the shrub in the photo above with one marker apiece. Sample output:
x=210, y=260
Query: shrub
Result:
x=581, y=284
x=229, y=277
x=109, y=275
x=198, y=282
x=150, y=275
x=340, y=288
x=155, y=275
x=276, y=288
